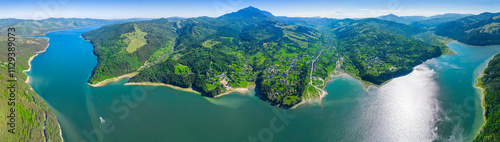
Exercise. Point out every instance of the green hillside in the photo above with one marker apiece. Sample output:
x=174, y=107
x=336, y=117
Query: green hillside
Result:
x=117, y=55
x=378, y=50
x=32, y=114
x=491, y=83
x=433, y=21
x=286, y=61
x=37, y=27
x=402, y=19
x=479, y=30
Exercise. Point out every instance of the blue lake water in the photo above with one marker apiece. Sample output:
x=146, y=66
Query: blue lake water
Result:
x=437, y=101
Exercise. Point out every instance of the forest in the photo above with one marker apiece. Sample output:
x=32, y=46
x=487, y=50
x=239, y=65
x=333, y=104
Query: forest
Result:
x=32, y=114
x=377, y=54
x=491, y=83
x=480, y=30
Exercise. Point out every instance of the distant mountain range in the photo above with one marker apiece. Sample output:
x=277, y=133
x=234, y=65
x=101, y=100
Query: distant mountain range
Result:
x=37, y=27
x=422, y=20
x=482, y=29
x=402, y=19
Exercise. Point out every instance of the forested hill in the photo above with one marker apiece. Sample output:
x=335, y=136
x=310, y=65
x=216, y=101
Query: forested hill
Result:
x=421, y=21
x=286, y=58
x=34, y=120
x=402, y=19
x=433, y=21
x=479, y=30
x=491, y=83
x=37, y=27
x=378, y=50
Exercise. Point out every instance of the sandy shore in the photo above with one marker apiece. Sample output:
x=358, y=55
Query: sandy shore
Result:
x=480, y=87
x=323, y=92
x=483, y=103
x=28, y=78
x=240, y=90
x=297, y=105
x=114, y=79
x=60, y=131
x=162, y=84
x=31, y=58
x=312, y=100
x=366, y=85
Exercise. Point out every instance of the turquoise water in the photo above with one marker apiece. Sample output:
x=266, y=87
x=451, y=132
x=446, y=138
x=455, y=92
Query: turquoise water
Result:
x=437, y=101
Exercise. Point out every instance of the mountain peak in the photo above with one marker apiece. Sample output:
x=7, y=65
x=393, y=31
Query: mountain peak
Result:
x=390, y=15
x=256, y=10
x=251, y=8
x=245, y=17
x=249, y=12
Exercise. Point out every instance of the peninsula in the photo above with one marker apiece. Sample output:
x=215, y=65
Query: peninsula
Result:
x=289, y=63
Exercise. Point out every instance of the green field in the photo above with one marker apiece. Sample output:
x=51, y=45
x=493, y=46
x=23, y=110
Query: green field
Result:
x=134, y=40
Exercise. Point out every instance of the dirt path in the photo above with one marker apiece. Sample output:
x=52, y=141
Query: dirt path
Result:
x=322, y=93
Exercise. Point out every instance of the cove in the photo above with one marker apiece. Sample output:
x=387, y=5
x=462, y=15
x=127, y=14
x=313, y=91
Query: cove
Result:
x=437, y=101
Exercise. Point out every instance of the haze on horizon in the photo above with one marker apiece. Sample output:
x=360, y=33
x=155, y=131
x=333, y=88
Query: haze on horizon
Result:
x=121, y=9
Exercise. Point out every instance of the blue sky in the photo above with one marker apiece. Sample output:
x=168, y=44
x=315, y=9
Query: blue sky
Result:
x=118, y=9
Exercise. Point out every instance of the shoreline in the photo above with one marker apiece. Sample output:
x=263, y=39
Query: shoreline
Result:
x=31, y=58
x=322, y=90
x=28, y=77
x=243, y=91
x=301, y=103
x=475, y=46
x=111, y=80
x=239, y=90
x=60, y=131
x=29, y=68
x=365, y=84
x=479, y=85
x=162, y=84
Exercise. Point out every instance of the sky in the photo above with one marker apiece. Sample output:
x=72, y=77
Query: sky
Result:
x=120, y=9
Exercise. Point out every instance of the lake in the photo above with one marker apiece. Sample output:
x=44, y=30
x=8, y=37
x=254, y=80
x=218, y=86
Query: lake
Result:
x=437, y=101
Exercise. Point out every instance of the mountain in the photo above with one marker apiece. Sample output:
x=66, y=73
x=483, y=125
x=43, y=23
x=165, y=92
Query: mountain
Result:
x=211, y=55
x=402, y=19
x=479, y=30
x=182, y=33
x=9, y=22
x=449, y=16
x=422, y=21
x=433, y=21
x=244, y=17
x=37, y=27
x=123, y=48
x=284, y=57
x=315, y=22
